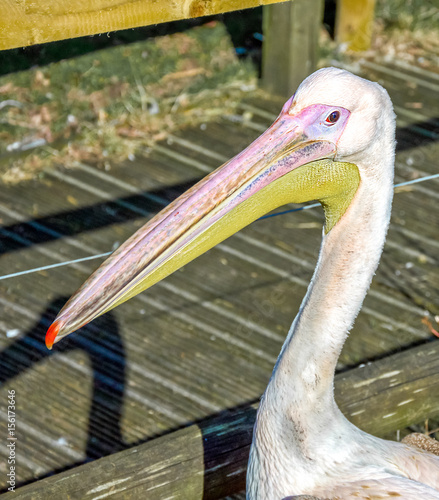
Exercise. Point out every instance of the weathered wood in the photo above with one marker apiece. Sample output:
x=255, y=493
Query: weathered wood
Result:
x=208, y=460
x=354, y=22
x=205, y=339
x=29, y=23
x=290, y=49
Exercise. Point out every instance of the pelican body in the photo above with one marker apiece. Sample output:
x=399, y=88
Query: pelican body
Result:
x=334, y=141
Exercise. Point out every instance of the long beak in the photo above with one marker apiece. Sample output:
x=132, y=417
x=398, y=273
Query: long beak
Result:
x=279, y=167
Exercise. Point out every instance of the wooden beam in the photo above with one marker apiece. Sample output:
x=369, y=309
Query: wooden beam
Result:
x=354, y=23
x=24, y=23
x=208, y=460
x=291, y=41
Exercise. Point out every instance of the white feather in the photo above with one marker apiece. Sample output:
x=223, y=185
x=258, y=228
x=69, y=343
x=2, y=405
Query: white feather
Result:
x=302, y=443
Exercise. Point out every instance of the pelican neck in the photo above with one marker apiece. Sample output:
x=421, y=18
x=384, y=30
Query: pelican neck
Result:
x=348, y=258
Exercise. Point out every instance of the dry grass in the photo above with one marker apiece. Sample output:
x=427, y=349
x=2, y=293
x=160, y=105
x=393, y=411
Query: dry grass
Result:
x=104, y=107
x=419, y=47
x=404, y=30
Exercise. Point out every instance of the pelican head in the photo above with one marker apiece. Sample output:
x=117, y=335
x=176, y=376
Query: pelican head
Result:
x=319, y=147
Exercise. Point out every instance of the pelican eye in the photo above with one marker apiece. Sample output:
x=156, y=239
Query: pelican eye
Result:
x=333, y=117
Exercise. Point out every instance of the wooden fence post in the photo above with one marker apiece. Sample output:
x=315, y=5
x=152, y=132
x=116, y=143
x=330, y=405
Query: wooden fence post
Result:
x=290, y=48
x=354, y=22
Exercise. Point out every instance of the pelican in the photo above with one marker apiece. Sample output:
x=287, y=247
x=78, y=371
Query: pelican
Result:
x=334, y=141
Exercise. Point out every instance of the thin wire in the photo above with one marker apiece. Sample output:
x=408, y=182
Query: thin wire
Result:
x=99, y=256
x=414, y=181
x=305, y=207
x=52, y=266
x=406, y=183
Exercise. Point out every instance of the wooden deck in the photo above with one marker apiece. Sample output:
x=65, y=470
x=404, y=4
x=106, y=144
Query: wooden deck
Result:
x=206, y=338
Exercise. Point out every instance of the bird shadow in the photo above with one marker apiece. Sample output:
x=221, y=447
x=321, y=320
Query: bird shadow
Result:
x=105, y=349
x=104, y=346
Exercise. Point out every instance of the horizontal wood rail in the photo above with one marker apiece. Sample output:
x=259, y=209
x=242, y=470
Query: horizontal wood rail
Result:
x=26, y=22
x=208, y=460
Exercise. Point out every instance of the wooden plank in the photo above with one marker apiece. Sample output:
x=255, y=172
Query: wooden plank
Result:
x=290, y=49
x=29, y=23
x=354, y=22
x=177, y=370
x=208, y=460
x=198, y=275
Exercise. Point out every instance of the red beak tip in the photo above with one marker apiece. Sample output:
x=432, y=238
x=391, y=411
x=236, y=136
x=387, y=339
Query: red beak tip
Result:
x=51, y=334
